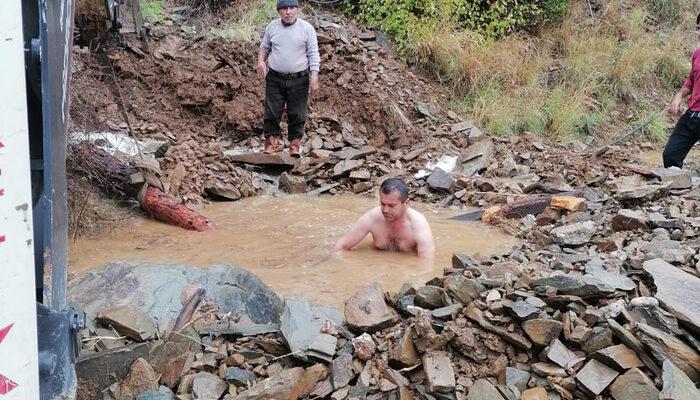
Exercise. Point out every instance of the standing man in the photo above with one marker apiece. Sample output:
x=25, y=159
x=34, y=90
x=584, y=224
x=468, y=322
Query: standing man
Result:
x=393, y=224
x=687, y=130
x=289, y=62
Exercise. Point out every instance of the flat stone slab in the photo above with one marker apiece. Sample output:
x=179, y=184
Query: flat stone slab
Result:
x=542, y=331
x=596, y=376
x=262, y=159
x=439, y=372
x=301, y=323
x=595, y=269
x=366, y=311
x=634, y=385
x=155, y=289
x=482, y=389
x=97, y=371
x=677, y=291
x=677, y=385
x=619, y=357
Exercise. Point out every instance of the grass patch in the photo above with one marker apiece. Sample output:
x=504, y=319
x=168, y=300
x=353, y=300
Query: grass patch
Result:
x=243, y=25
x=153, y=10
x=572, y=79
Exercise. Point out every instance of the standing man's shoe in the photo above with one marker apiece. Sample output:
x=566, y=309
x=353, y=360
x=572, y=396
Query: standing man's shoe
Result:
x=269, y=145
x=294, y=146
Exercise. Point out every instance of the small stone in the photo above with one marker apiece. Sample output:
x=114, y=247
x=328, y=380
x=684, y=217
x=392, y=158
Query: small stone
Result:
x=463, y=289
x=574, y=234
x=521, y=310
x=441, y=181
x=561, y=355
x=430, y=297
x=341, y=370
x=366, y=311
x=404, y=353
x=629, y=220
x=239, y=376
x=208, y=386
x=141, y=378
x=634, y=385
x=598, y=341
x=596, y=376
x=364, y=346
x=462, y=126
x=447, y=312
x=439, y=373
x=482, y=389
x=580, y=334
x=537, y=393
x=677, y=385
x=542, y=331
x=619, y=357
x=516, y=378
x=386, y=386
x=279, y=386
x=128, y=321
x=546, y=369
x=292, y=184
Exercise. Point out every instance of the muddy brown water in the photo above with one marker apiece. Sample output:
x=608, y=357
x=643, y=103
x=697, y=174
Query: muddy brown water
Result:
x=285, y=241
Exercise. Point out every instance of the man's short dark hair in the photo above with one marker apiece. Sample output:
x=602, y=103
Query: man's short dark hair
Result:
x=395, y=184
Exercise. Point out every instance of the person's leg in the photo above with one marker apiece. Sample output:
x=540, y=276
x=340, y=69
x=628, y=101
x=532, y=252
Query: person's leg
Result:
x=684, y=136
x=297, y=96
x=274, y=105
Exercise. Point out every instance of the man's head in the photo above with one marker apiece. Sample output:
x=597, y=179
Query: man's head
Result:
x=287, y=9
x=393, y=199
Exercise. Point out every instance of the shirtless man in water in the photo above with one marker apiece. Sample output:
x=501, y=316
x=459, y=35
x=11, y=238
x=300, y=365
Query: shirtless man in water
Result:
x=393, y=225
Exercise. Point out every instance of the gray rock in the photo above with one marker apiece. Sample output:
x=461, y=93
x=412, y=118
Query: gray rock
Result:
x=619, y=357
x=97, y=371
x=542, y=331
x=676, y=179
x=634, y=385
x=430, y=297
x=366, y=310
x=596, y=376
x=278, y=386
x=128, y=321
x=657, y=220
x=677, y=291
x=574, y=234
x=516, y=378
x=476, y=157
x=274, y=160
x=521, y=310
x=462, y=126
x=155, y=288
x=341, y=371
x=576, y=285
x=441, y=181
x=301, y=323
x=292, y=184
x=439, y=372
x=163, y=393
x=447, y=312
x=595, y=269
x=561, y=355
x=677, y=385
x=666, y=346
x=483, y=390
x=463, y=289
x=463, y=261
x=239, y=376
x=669, y=250
x=630, y=220
x=207, y=386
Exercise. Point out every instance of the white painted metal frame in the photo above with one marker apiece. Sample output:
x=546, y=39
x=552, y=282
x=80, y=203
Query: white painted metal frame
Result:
x=19, y=374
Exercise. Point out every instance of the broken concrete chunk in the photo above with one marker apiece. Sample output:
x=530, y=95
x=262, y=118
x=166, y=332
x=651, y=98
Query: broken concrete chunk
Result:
x=677, y=291
x=634, y=385
x=129, y=321
x=439, y=372
x=366, y=311
x=596, y=376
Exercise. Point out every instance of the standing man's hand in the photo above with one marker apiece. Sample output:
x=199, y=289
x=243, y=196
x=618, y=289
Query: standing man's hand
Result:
x=313, y=85
x=261, y=68
x=675, y=107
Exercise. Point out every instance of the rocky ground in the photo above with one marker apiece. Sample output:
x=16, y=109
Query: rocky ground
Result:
x=600, y=303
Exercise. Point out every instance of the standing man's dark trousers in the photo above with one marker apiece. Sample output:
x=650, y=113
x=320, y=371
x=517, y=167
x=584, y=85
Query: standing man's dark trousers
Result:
x=684, y=136
x=292, y=90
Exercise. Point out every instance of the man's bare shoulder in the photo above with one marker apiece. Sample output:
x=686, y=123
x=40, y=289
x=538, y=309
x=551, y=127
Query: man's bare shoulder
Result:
x=417, y=217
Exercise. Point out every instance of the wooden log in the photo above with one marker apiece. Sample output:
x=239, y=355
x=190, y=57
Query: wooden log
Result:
x=114, y=177
x=534, y=205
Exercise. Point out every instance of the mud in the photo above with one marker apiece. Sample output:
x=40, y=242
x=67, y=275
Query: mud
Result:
x=285, y=241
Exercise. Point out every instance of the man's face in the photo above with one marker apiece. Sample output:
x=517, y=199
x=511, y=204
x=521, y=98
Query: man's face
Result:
x=288, y=14
x=391, y=205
